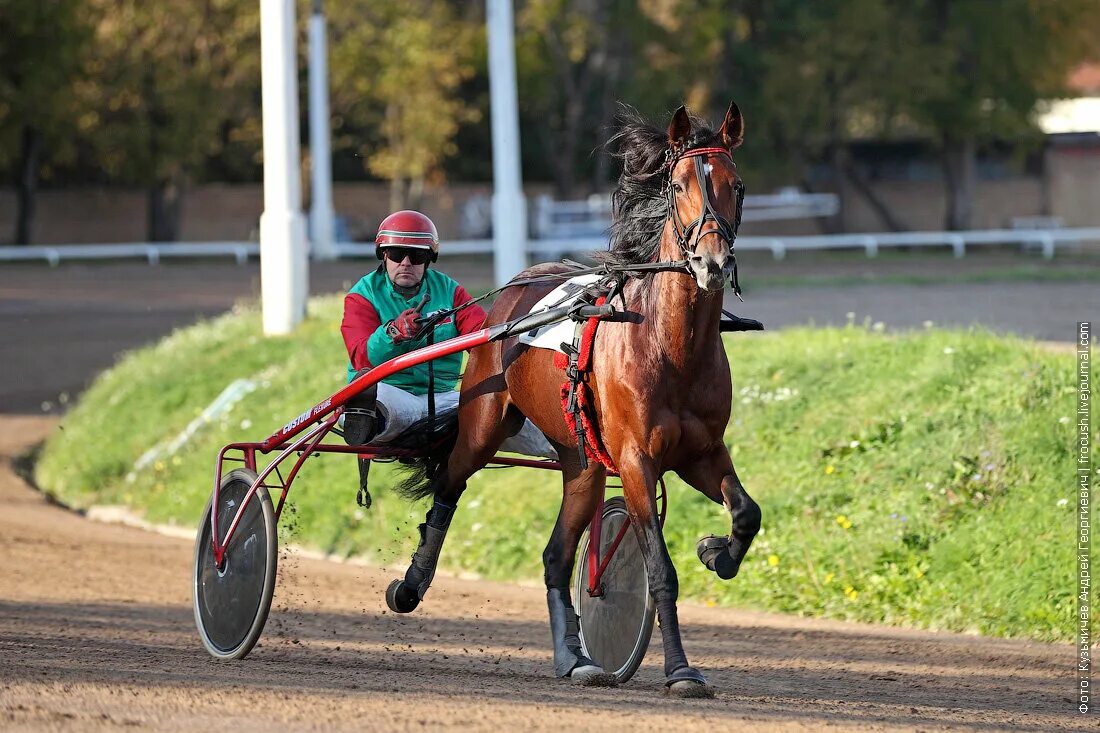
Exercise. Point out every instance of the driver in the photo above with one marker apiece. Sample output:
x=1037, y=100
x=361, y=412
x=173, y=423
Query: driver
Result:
x=380, y=322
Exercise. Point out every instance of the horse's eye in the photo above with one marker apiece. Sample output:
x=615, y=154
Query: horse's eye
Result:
x=677, y=188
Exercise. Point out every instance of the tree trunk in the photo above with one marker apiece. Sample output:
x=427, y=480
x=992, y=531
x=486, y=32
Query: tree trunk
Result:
x=27, y=185
x=838, y=154
x=958, y=176
x=601, y=174
x=867, y=192
x=565, y=153
x=838, y=162
x=397, y=194
x=618, y=56
x=416, y=194
x=165, y=202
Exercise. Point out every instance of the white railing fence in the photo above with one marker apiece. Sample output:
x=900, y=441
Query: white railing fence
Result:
x=591, y=217
x=151, y=251
x=1047, y=241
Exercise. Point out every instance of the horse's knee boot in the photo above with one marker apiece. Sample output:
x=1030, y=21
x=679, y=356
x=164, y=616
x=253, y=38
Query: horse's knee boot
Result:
x=714, y=553
x=405, y=595
x=565, y=633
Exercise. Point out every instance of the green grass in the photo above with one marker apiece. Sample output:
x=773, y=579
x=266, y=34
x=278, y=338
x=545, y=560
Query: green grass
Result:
x=1026, y=273
x=914, y=479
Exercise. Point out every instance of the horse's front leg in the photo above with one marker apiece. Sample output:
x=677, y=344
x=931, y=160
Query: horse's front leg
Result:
x=713, y=475
x=639, y=477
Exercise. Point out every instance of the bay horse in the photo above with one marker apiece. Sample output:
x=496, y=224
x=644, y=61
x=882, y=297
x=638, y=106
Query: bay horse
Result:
x=660, y=384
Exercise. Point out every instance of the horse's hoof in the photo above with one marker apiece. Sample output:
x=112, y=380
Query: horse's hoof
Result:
x=589, y=675
x=714, y=553
x=400, y=599
x=690, y=689
x=688, y=682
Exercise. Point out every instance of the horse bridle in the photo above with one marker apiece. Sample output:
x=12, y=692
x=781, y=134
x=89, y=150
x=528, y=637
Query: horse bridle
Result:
x=688, y=237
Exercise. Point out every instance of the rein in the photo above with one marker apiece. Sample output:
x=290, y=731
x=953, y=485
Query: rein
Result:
x=687, y=237
x=617, y=270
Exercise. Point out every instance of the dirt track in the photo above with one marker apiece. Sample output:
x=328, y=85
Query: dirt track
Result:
x=96, y=633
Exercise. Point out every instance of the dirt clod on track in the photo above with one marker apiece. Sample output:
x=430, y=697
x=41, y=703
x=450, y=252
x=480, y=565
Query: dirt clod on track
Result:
x=96, y=632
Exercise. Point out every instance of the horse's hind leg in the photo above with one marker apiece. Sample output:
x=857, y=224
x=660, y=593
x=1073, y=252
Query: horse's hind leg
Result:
x=581, y=490
x=484, y=424
x=714, y=477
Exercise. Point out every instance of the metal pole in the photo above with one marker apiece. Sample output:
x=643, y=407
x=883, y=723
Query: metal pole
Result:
x=284, y=269
x=321, y=212
x=509, y=205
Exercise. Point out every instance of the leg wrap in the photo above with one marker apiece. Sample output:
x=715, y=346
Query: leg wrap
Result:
x=432, y=533
x=716, y=553
x=565, y=633
x=404, y=595
x=675, y=658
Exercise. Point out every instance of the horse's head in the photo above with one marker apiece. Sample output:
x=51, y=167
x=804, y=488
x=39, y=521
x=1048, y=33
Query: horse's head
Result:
x=704, y=196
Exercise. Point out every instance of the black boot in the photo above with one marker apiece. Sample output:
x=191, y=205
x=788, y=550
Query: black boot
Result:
x=361, y=419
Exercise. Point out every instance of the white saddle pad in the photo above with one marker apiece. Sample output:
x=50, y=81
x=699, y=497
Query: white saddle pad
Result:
x=552, y=336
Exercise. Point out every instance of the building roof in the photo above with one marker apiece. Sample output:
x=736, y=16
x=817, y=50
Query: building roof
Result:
x=1085, y=80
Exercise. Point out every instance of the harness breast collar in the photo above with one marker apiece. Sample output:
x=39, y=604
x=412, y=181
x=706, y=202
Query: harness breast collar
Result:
x=688, y=237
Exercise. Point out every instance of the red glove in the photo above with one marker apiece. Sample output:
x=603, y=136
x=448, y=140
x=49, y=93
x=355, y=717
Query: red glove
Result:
x=405, y=326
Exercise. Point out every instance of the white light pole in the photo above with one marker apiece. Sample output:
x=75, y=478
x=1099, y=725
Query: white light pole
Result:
x=509, y=205
x=284, y=269
x=321, y=212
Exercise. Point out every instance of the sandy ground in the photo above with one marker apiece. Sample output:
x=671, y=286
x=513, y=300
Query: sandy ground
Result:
x=96, y=632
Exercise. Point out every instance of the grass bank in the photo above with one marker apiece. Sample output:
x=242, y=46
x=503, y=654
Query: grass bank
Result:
x=920, y=479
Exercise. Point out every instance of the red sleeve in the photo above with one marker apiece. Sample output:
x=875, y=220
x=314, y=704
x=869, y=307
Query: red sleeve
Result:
x=472, y=317
x=360, y=321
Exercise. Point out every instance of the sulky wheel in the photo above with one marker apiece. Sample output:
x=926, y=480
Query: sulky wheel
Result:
x=231, y=602
x=615, y=626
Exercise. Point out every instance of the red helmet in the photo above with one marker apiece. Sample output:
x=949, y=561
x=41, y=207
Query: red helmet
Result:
x=407, y=229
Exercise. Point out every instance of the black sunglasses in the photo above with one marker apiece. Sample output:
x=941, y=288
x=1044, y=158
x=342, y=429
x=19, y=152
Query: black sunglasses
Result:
x=416, y=256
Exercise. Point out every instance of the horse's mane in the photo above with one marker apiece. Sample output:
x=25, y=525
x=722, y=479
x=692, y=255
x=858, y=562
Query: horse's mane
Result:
x=638, y=205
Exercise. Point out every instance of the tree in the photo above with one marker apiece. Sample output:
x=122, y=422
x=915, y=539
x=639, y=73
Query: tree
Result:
x=166, y=85
x=397, y=68
x=994, y=66
x=844, y=70
x=815, y=76
x=39, y=60
x=577, y=59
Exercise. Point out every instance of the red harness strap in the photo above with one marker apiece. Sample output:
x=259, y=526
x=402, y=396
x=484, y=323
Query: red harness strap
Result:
x=593, y=445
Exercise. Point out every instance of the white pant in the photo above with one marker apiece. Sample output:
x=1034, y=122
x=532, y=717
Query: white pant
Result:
x=401, y=409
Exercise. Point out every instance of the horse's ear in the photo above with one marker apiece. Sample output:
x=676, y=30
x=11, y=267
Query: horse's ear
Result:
x=733, y=128
x=680, y=128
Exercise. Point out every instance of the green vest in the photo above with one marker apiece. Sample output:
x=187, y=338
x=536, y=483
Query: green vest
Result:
x=377, y=289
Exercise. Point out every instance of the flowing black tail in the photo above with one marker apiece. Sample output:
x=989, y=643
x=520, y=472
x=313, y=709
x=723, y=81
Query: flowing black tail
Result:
x=433, y=438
